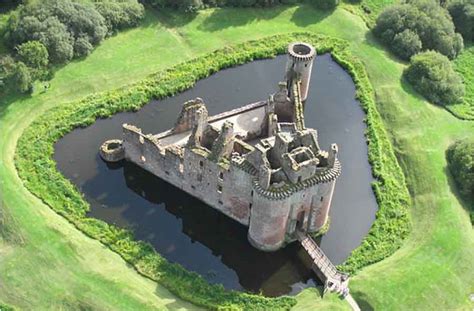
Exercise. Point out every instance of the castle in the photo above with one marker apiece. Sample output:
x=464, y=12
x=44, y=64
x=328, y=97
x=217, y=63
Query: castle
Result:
x=257, y=164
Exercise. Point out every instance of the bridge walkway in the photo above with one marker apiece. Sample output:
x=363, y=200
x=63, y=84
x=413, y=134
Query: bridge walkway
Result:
x=334, y=280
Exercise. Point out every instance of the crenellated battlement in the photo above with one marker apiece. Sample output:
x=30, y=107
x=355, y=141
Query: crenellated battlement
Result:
x=257, y=164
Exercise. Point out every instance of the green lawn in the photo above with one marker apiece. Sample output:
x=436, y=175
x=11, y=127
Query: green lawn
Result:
x=464, y=65
x=52, y=265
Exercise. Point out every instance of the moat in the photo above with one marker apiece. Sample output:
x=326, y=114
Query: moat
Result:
x=185, y=230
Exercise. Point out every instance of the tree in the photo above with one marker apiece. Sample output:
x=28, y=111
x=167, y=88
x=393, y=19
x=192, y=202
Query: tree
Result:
x=34, y=54
x=120, y=14
x=82, y=47
x=20, y=78
x=425, y=18
x=432, y=75
x=462, y=13
x=406, y=44
x=460, y=156
x=58, y=40
x=7, y=63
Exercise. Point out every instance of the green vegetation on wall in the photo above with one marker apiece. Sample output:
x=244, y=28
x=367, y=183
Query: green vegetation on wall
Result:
x=38, y=170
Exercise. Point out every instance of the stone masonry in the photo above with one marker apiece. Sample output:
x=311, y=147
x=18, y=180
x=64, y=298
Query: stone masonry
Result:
x=257, y=164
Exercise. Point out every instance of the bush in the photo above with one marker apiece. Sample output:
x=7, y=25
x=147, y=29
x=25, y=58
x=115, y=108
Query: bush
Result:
x=82, y=47
x=325, y=4
x=462, y=13
x=34, y=54
x=21, y=78
x=120, y=14
x=460, y=156
x=406, y=44
x=427, y=23
x=15, y=76
x=432, y=75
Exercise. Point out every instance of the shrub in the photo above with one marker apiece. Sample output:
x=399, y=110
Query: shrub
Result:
x=21, y=78
x=432, y=75
x=325, y=4
x=82, y=47
x=425, y=18
x=460, y=156
x=406, y=44
x=33, y=53
x=462, y=13
x=15, y=76
x=120, y=14
x=7, y=63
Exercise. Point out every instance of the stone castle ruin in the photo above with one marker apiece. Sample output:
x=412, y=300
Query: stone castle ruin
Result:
x=257, y=164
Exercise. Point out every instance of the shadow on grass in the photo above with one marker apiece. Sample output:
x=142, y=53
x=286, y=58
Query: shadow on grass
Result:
x=223, y=18
x=372, y=40
x=467, y=204
x=306, y=15
x=361, y=300
x=9, y=98
x=167, y=17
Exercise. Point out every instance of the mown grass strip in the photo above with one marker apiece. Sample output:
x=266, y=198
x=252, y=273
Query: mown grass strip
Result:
x=37, y=169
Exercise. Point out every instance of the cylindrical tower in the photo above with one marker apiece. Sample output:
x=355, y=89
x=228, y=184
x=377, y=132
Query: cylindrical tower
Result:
x=299, y=65
x=268, y=221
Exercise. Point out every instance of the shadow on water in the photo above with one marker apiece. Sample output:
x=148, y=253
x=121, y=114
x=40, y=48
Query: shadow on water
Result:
x=186, y=231
x=222, y=18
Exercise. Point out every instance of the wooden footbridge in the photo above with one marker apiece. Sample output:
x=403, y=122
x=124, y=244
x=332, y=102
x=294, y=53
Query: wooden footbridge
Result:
x=334, y=280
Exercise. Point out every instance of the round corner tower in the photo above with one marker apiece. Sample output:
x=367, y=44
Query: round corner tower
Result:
x=299, y=64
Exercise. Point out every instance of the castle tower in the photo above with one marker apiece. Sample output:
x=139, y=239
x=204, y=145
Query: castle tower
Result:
x=299, y=64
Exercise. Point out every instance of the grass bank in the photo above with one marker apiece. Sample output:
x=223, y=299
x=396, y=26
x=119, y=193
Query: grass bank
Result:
x=464, y=65
x=432, y=270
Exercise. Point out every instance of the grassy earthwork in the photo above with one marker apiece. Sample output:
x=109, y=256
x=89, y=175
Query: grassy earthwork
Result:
x=45, y=262
x=464, y=66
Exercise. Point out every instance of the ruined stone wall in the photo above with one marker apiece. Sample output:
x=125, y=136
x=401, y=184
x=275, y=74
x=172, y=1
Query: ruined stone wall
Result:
x=227, y=187
x=219, y=185
x=274, y=222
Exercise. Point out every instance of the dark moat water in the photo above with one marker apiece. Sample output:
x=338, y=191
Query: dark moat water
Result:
x=186, y=231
